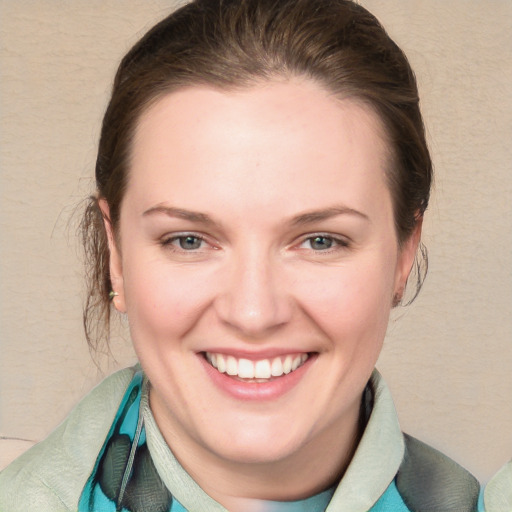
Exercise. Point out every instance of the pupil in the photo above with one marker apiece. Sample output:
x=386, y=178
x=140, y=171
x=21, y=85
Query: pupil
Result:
x=190, y=242
x=321, y=243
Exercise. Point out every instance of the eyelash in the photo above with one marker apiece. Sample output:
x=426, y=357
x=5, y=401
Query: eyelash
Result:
x=337, y=243
x=169, y=242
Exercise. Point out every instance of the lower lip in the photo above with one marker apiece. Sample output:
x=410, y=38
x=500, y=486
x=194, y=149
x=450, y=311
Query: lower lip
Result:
x=270, y=390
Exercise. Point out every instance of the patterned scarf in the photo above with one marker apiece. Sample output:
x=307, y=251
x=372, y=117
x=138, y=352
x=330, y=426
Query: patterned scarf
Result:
x=124, y=478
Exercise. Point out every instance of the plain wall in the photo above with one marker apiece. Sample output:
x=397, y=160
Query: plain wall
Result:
x=447, y=358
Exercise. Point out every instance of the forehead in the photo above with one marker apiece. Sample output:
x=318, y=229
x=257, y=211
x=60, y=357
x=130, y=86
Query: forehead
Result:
x=299, y=100
x=288, y=136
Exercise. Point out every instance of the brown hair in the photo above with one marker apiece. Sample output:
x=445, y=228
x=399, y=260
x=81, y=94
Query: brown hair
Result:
x=236, y=43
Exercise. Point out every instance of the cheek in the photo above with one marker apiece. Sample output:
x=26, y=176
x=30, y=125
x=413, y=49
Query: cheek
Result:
x=162, y=300
x=352, y=299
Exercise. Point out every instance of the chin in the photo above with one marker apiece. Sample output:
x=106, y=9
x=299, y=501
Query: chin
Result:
x=258, y=445
x=258, y=454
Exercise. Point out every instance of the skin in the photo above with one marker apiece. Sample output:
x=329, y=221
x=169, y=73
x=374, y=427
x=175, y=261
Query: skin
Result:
x=255, y=161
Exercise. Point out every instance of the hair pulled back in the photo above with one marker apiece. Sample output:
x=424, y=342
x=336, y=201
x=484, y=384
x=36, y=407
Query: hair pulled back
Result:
x=231, y=44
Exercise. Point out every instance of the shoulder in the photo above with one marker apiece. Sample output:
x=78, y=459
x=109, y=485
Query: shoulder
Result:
x=52, y=474
x=498, y=492
x=430, y=481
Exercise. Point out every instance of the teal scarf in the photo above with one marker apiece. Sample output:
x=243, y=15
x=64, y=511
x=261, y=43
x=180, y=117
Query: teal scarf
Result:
x=124, y=478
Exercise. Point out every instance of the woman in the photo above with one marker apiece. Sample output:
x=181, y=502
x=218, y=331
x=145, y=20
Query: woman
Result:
x=262, y=178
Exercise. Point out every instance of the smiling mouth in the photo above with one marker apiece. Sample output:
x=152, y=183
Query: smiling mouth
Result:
x=263, y=370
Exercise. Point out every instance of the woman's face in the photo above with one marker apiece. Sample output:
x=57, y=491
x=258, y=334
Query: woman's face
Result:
x=257, y=265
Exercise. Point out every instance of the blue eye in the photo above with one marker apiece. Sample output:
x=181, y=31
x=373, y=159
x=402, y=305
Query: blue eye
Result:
x=189, y=242
x=321, y=243
x=324, y=243
x=184, y=243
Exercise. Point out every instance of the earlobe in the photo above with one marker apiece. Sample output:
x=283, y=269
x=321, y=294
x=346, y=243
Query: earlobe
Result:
x=115, y=264
x=405, y=261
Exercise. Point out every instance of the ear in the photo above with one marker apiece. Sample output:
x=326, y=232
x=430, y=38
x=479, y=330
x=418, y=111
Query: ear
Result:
x=405, y=261
x=115, y=263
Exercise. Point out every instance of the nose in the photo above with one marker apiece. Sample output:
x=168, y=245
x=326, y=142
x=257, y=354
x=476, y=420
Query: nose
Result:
x=254, y=299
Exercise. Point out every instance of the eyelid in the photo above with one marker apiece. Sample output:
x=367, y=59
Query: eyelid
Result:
x=342, y=242
x=169, y=238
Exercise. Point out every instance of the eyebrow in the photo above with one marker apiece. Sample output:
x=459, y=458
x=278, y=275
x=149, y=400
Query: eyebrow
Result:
x=299, y=220
x=180, y=213
x=319, y=215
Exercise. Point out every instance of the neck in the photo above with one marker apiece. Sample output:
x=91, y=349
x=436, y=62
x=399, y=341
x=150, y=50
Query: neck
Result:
x=318, y=465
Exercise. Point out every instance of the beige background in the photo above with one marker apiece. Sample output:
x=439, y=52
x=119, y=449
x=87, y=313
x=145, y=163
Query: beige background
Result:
x=448, y=357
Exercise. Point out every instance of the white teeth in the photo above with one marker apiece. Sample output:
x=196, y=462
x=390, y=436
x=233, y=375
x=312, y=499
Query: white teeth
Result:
x=287, y=365
x=245, y=369
x=260, y=370
x=296, y=362
x=276, y=369
x=221, y=363
x=231, y=366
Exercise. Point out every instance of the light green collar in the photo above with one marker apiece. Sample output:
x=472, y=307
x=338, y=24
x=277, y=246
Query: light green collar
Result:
x=377, y=457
